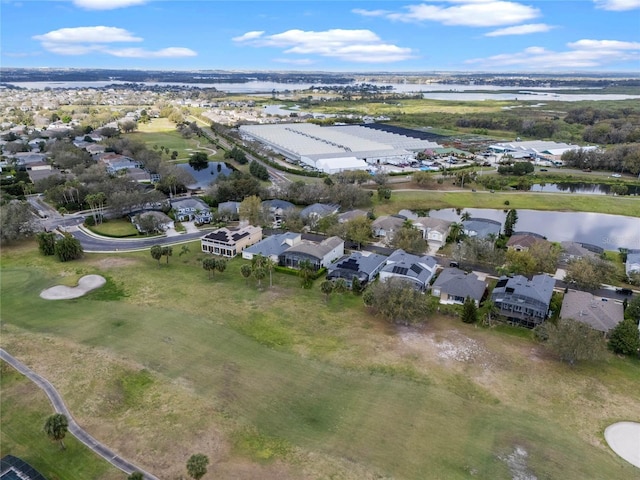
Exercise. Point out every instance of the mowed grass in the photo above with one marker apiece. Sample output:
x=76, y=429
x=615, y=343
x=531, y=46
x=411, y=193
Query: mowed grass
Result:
x=283, y=372
x=25, y=409
x=428, y=199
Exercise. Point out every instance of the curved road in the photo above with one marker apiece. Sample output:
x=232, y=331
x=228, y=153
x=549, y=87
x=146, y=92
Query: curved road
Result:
x=74, y=428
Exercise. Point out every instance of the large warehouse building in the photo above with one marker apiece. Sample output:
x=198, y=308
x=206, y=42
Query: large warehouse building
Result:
x=337, y=148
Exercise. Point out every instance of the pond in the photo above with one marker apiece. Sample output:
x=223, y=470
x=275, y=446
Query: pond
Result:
x=584, y=188
x=610, y=232
x=204, y=178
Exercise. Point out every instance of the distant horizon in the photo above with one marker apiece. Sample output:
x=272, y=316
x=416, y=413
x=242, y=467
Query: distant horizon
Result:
x=393, y=36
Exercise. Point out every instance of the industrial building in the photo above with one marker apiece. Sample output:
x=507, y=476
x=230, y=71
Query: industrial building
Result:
x=337, y=148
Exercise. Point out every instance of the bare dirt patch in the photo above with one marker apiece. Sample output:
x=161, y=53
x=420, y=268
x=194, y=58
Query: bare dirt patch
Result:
x=517, y=463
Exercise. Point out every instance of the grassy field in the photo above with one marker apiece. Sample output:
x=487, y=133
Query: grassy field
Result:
x=429, y=199
x=24, y=410
x=276, y=383
x=117, y=227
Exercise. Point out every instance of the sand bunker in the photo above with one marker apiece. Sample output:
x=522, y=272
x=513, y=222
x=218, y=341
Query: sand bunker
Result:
x=62, y=292
x=624, y=439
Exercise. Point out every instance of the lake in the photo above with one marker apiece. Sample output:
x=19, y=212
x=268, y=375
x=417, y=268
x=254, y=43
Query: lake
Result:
x=610, y=232
x=204, y=178
x=583, y=188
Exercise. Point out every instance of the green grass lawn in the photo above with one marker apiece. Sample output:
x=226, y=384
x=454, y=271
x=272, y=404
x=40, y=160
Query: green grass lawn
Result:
x=278, y=373
x=24, y=411
x=119, y=227
x=629, y=206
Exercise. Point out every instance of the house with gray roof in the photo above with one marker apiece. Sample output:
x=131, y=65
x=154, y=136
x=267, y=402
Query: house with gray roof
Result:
x=320, y=254
x=601, y=314
x=434, y=230
x=351, y=215
x=316, y=211
x=522, y=300
x=364, y=266
x=453, y=286
x=633, y=262
x=191, y=209
x=481, y=227
x=386, y=225
x=523, y=241
x=275, y=210
x=412, y=268
x=272, y=247
x=152, y=221
x=229, y=210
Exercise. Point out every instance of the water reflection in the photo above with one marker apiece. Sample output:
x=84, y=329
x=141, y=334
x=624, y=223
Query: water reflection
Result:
x=204, y=178
x=584, y=188
x=607, y=231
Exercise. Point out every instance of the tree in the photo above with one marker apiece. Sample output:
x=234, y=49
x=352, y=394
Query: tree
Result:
x=167, y=251
x=270, y=266
x=469, y=311
x=574, y=341
x=199, y=161
x=135, y=476
x=397, y=301
x=589, y=272
x=246, y=271
x=68, y=248
x=510, y=222
x=156, y=253
x=251, y=210
x=96, y=203
x=184, y=250
x=340, y=286
x=16, y=221
x=221, y=265
x=56, y=427
x=209, y=264
x=306, y=272
x=633, y=309
x=625, y=338
x=326, y=287
x=46, y=243
x=409, y=239
x=197, y=465
x=356, y=286
x=359, y=230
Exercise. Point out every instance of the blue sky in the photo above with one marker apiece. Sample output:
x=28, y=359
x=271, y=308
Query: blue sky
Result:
x=339, y=35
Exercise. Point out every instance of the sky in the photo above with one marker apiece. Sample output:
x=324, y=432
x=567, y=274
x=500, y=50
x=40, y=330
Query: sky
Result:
x=539, y=36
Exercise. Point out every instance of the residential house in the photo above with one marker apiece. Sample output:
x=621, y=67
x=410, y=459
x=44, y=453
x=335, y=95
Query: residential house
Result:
x=481, y=228
x=28, y=158
x=633, y=262
x=351, y=215
x=386, y=226
x=229, y=210
x=115, y=162
x=319, y=254
x=316, y=211
x=412, y=268
x=575, y=251
x=522, y=300
x=191, y=209
x=272, y=247
x=275, y=210
x=522, y=241
x=454, y=286
x=364, y=266
x=228, y=242
x=434, y=230
x=601, y=314
x=152, y=221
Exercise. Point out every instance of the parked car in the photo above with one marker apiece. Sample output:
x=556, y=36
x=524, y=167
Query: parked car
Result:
x=616, y=175
x=624, y=291
x=544, y=170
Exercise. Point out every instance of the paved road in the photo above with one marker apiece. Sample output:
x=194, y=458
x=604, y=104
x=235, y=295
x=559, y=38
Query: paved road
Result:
x=95, y=244
x=74, y=428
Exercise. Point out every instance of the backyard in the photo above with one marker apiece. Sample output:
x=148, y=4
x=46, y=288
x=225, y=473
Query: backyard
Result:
x=275, y=383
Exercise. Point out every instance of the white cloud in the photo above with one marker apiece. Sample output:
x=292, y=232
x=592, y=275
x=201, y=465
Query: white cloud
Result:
x=106, y=4
x=99, y=34
x=361, y=46
x=469, y=13
x=581, y=54
x=86, y=40
x=617, y=5
x=520, y=30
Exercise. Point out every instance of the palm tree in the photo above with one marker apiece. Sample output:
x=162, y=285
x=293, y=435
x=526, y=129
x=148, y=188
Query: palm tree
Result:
x=270, y=265
x=455, y=231
x=465, y=216
x=246, y=271
x=326, y=287
x=306, y=272
x=56, y=427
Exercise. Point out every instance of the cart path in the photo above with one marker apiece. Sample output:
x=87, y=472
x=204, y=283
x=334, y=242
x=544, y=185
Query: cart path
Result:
x=59, y=406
